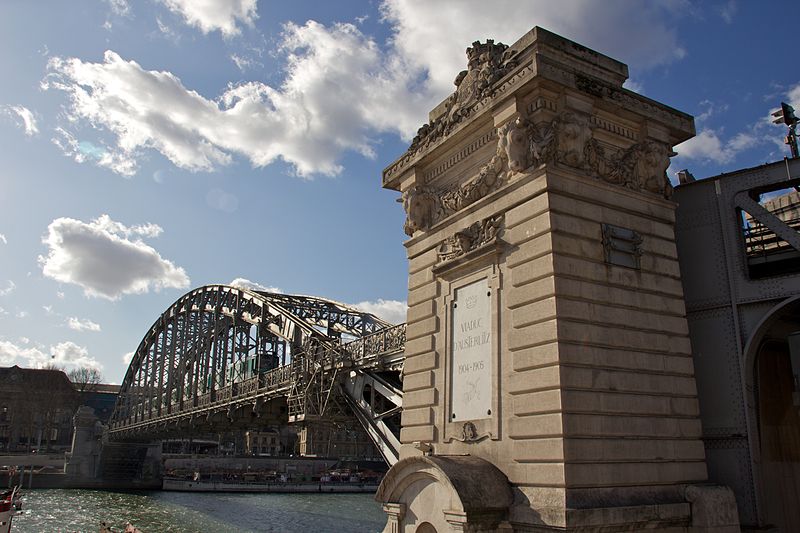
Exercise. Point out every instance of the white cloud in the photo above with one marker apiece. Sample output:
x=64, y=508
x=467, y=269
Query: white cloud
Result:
x=212, y=15
x=10, y=286
x=711, y=109
x=337, y=94
x=633, y=85
x=712, y=145
x=243, y=283
x=728, y=11
x=24, y=118
x=12, y=354
x=65, y=354
x=107, y=259
x=118, y=161
x=22, y=314
x=242, y=63
x=608, y=27
x=79, y=324
x=168, y=32
x=120, y=7
x=3, y=239
x=705, y=146
x=127, y=358
x=392, y=311
x=222, y=201
x=342, y=89
x=70, y=354
x=793, y=95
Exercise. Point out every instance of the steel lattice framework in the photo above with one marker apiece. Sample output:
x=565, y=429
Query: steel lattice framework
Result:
x=225, y=354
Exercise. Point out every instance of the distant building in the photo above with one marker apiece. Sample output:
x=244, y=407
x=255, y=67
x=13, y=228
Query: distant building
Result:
x=271, y=441
x=102, y=398
x=36, y=409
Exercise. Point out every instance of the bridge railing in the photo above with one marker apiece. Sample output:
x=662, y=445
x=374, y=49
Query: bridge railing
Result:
x=370, y=346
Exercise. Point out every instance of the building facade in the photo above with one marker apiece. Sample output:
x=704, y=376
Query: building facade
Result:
x=36, y=409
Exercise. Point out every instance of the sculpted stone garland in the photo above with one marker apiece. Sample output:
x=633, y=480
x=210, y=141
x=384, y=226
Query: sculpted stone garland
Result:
x=522, y=144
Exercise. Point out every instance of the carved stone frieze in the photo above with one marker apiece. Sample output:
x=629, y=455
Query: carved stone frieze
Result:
x=522, y=144
x=487, y=63
x=641, y=167
x=426, y=205
x=471, y=238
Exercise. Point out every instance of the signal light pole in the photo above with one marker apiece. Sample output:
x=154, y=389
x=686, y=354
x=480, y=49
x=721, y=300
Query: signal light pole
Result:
x=786, y=116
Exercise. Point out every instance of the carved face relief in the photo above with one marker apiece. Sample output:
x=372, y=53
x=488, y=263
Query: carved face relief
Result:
x=573, y=136
x=653, y=166
x=419, y=206
x=517, y=146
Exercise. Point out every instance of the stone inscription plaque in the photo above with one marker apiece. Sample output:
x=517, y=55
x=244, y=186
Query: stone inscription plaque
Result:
x=471, y=353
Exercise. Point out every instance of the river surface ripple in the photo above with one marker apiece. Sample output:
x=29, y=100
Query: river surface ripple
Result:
x=191, y=512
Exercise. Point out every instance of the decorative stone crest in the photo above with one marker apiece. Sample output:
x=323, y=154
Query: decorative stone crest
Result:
x=469, y=432
x=486, y=64
x=471, y=238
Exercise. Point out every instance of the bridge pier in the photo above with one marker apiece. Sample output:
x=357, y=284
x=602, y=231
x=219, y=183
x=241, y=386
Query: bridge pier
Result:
x=96, y=462
x=548, y=382
x=83, y=460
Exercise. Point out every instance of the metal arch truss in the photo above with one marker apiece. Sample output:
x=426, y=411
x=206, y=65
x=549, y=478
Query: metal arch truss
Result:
x=219, y=352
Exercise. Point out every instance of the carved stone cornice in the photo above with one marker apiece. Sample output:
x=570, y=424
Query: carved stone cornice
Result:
x=634, y=102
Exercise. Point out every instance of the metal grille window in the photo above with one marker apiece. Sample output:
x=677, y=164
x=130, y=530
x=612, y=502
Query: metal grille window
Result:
x=622, y=246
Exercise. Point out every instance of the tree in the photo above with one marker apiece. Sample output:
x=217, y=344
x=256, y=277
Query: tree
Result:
x=85, y=379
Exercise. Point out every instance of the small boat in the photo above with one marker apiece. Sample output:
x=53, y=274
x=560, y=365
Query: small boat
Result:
x=10, y=504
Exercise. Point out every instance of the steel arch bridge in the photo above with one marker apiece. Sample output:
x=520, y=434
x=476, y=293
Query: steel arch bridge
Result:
x=224, y=357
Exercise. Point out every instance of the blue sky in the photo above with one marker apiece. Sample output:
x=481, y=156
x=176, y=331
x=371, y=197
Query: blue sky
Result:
x=153, y=146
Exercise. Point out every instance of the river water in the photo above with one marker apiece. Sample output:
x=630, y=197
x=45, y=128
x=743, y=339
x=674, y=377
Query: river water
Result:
x=192, y=512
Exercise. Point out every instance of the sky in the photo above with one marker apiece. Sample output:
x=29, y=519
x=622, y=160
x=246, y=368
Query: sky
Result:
x=151, y=147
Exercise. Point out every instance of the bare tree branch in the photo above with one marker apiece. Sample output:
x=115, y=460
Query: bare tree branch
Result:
x=85, y=379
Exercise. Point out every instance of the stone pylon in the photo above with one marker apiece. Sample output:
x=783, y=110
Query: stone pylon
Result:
x=548, y=382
